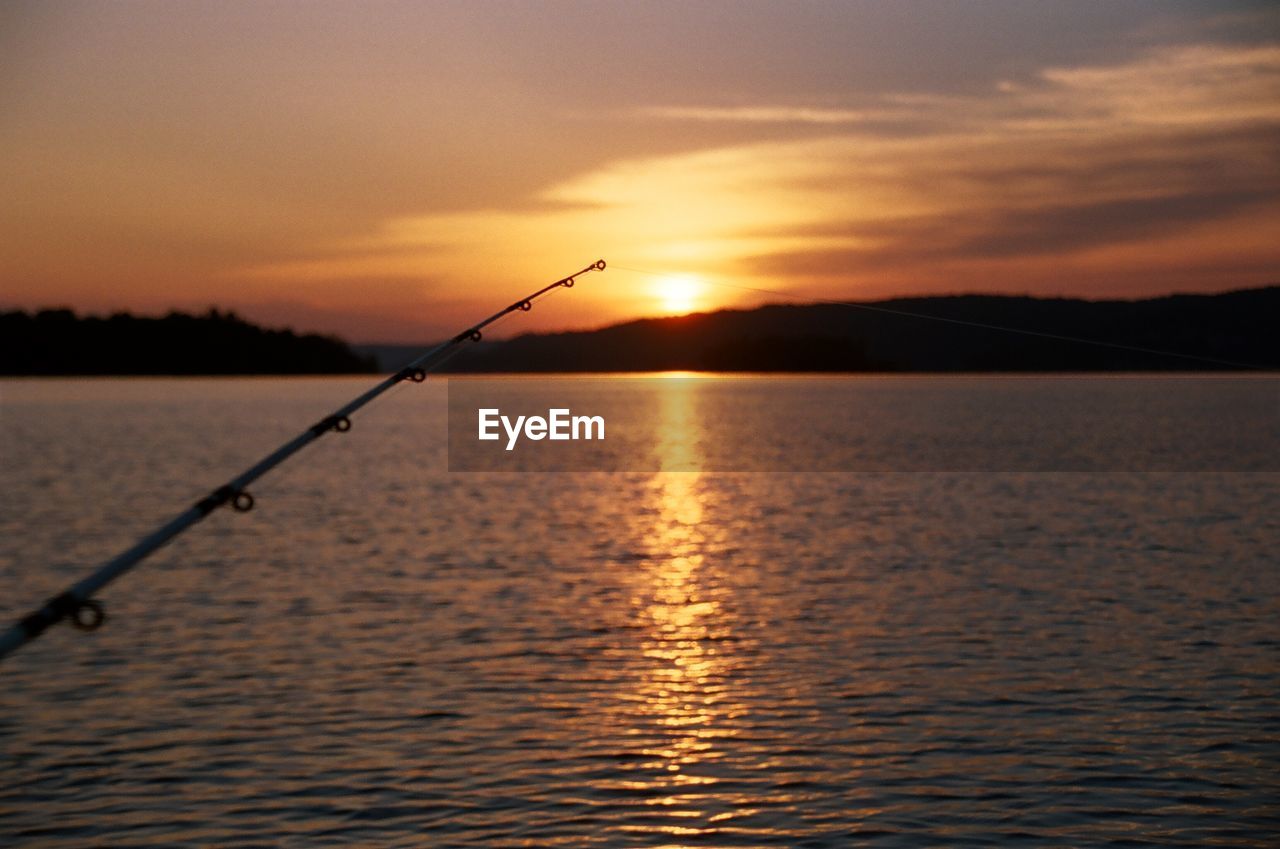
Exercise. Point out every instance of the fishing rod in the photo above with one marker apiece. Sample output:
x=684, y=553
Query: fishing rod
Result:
x=87, y=614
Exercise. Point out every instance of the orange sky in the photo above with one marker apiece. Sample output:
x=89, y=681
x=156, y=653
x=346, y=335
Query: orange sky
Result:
x=392, y=171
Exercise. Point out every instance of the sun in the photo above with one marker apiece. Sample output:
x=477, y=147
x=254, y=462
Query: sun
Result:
x=678, y=294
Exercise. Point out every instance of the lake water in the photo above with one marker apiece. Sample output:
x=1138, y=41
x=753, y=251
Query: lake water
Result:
x=385, y=653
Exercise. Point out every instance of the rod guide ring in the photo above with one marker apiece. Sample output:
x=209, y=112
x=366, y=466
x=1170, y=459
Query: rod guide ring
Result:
x=342, y=424
x=242, y=502
x=88, y=615
x=474, y=335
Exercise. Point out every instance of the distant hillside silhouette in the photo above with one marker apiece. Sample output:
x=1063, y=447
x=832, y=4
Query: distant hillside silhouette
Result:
x=1233, y=327
x=1237, y=327
x=57, y=342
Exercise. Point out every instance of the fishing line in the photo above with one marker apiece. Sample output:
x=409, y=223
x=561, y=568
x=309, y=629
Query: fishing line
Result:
x=976, y=324
x=86, y=613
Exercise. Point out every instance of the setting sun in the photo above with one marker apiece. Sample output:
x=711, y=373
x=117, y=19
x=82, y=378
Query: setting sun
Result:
x=678, y=294
x=147, y=168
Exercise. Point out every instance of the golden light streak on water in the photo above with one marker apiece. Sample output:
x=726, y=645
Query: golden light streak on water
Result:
x=679, y=430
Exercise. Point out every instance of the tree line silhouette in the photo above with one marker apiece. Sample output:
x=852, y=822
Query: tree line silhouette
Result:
x=58, y=342
x=965, y=333
x=1212, y=331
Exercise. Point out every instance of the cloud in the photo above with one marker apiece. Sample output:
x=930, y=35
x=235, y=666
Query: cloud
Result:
x=769, y=114
x=1062, y=228
x=1070, y=166
x=997, y=234
x=1195, y=85
x=1168, y=86
x=1133, y=176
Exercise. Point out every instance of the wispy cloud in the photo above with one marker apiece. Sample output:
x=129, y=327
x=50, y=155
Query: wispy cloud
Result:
x=1131, y=174
x=1132, y=177
x=1200, y=85
x=769, y=114
x=1170, y=86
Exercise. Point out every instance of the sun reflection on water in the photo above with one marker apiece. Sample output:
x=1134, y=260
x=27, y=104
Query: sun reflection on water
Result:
x=682, y=698
x=685, y=703
x=679, y=432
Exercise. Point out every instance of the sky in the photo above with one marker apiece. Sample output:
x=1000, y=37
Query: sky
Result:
x=391, y=172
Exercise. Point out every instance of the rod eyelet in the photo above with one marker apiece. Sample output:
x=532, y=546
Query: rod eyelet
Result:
x=599, y=265
x=474, y=336
x=342, y=424
x=88, y=615
x=525, y=306
x=418, y=375
x=242, y=502
x=568, y=282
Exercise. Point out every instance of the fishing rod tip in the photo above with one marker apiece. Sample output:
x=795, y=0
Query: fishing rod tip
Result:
x=598, y=265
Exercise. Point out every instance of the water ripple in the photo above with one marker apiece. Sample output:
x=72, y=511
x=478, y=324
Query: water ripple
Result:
x=662, y=660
